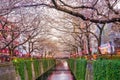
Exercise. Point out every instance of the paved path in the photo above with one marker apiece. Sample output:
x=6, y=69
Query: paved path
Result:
x=89, y=71
x=61, y=72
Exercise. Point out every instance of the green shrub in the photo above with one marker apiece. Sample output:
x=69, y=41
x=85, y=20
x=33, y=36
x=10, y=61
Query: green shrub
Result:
x=71, y=64
x=106, y=70
x=29, y=69
x=110, y=57
x=19, y=67
x=36, y=67
x=45, y=64
x=51, y=62
x=80, y=68
x=99, y=70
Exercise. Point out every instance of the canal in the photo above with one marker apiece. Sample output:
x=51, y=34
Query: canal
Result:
x=59, y=72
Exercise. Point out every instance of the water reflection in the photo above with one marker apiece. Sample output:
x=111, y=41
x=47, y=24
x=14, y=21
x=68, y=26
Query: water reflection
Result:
x=60, y=72
x=61, y=75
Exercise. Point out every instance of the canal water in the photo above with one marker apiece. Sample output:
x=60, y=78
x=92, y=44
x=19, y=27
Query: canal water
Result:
x=59, y=72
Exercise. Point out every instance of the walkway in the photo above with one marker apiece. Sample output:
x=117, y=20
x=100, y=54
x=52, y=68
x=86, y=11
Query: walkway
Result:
x=61, y=72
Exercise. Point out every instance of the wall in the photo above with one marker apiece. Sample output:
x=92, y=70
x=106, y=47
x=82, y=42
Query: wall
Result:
x=25, y=69
x=7, y=71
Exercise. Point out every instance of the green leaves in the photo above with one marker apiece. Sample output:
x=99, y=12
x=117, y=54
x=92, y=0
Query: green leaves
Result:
x=102, y=69
x=19, y=67
x=78, y=67
x=36, y=67
x=26, y=64
x=81, y=69
x=107, y=70
x=29, y=69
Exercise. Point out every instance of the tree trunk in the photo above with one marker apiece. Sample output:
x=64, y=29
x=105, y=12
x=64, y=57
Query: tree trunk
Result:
x=99, y=44
x=100, y=37
x=88, y=44
x=11, y=52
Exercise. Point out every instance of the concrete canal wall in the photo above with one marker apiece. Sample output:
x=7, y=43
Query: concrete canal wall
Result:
x=7, y=71
x=27, y=70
